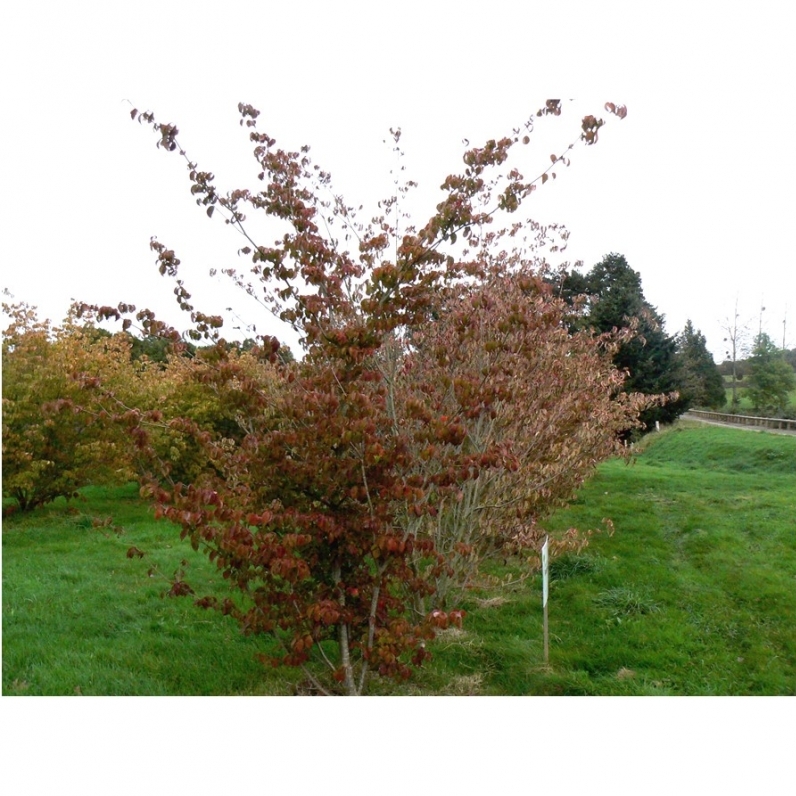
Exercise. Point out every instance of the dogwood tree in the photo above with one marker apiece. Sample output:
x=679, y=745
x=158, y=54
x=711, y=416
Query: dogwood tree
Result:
x=441, y=406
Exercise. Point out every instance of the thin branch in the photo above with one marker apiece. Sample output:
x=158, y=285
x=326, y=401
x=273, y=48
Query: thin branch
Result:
x=314, y=680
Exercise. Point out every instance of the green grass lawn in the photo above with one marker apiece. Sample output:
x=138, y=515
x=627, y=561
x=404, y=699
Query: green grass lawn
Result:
x=694, y=593
x=81, y=617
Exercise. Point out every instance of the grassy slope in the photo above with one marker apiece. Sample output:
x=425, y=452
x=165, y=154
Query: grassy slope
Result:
x=695, y=593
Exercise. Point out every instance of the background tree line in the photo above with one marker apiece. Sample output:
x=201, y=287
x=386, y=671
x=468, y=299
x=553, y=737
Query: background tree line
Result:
x=659, y=363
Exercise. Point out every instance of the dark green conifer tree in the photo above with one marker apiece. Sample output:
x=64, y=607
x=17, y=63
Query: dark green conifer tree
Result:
x=702, y=384
x=616, y=300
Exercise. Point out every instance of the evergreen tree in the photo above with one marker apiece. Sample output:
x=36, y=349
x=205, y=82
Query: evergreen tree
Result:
x=616, y=300
x=701, y=382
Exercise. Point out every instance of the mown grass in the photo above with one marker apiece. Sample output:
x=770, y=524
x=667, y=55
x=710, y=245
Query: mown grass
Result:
x=694, y=593
x=79, y=617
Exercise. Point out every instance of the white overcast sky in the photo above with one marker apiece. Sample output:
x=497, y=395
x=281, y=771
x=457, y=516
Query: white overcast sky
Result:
x=694, y=187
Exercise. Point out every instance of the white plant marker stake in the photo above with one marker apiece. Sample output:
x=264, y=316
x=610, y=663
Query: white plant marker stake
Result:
x=545, y=589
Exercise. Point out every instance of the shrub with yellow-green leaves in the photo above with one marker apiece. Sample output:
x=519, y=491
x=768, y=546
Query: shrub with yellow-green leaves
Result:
x=54, y=439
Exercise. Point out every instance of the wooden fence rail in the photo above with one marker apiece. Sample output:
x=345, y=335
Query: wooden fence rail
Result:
x=745, y=420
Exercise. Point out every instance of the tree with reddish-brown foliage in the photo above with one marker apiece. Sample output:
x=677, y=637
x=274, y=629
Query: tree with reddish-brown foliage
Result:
x=437, y=372
x=502, y=366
